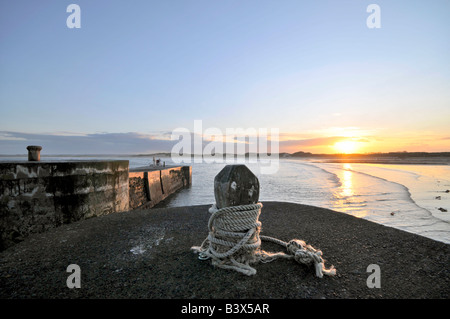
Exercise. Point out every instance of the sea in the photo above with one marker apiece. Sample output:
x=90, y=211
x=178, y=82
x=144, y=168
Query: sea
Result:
x=414, y=198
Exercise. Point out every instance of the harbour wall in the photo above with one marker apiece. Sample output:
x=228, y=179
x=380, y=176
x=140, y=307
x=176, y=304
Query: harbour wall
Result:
x=38, y=196
x=150, y=186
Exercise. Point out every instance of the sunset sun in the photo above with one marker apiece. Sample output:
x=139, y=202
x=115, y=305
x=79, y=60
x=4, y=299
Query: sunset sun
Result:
x=345, y=147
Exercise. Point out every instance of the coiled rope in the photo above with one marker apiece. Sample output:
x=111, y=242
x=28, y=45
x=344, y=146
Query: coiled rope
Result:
x=234, y=242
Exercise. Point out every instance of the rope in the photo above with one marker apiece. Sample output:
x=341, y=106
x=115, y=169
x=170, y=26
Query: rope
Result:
x=234, y=242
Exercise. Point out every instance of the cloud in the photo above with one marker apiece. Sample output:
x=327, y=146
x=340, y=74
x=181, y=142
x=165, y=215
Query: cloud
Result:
x=5, y=136
x=60, y=143
x=319, y=141
x=97, y=143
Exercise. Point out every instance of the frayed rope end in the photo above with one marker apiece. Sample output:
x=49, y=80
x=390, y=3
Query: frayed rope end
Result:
x=306, y=254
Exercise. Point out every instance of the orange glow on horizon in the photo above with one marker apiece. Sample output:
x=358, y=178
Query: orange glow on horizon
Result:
x=346, y=147
x=365, y=144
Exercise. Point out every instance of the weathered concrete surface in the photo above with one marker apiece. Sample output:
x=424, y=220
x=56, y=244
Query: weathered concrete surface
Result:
x=139, y=195
x=37, y=196
x=146, y=254
x=151, y=185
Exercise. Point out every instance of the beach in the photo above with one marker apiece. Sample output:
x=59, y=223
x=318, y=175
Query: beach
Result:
x=146, y=254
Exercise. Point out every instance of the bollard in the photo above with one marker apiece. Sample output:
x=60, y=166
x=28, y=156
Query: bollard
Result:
x=234, y=240
x=235, y=185
x=34, y=153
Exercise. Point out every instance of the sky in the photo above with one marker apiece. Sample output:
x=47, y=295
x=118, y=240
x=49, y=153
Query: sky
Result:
x=136, y=71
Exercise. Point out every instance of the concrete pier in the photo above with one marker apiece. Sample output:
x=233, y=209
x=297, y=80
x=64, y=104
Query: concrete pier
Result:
x=146, y=254
x=151, y=185
x=36, y=196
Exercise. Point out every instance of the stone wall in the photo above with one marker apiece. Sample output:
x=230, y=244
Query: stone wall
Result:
x=37, y=196
x=138, y=190
x=149, y=186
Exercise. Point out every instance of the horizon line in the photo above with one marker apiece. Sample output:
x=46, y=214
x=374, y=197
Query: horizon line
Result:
x=295, y=154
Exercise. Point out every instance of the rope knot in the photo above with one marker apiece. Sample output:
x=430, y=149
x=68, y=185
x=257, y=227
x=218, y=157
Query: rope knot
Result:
x=306, y=254
x=234, y=242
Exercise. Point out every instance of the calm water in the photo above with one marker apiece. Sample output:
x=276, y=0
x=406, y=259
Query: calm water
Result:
x=401, y=196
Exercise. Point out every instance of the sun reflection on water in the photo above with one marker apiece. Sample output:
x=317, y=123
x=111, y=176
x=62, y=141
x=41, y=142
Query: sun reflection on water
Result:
x=347, y=182
x=346, y=199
